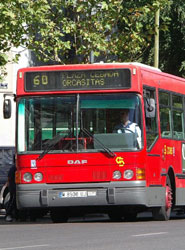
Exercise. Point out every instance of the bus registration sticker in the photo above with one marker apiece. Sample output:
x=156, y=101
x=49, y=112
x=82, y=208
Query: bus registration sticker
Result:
x=33, y=164
x=76, y=194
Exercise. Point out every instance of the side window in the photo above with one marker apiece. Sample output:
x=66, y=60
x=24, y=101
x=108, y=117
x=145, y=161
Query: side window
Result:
x=178, y=121
x=171, y=115
x=165, y=115
x=150, y=116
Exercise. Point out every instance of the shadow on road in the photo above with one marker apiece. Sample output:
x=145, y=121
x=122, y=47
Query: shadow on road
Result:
x=92, y=218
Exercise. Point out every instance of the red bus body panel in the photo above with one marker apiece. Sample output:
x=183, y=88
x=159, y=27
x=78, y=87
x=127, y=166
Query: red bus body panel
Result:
x=82, y=170
x=78, y=168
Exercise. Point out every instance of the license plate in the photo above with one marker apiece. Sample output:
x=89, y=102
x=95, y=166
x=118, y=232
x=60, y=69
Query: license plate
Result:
x=73, y=194
x=76, y=194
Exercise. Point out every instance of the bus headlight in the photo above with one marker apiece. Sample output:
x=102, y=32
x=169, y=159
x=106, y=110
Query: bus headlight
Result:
x=38, y=177
x=128, y=174
x=116, y=175
x=27, y=177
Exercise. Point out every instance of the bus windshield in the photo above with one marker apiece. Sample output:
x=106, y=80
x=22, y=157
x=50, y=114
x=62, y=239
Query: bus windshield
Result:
x=79, y=123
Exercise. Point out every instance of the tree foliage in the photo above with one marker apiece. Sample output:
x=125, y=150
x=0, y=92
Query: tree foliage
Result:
x=172, y=50
x=68, y=31
x=172, y=40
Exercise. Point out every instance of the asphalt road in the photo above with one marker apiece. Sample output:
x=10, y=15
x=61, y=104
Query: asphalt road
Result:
x=94, y=232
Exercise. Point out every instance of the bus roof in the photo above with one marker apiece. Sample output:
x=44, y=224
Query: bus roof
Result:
x=94, y=65
x=134, y=64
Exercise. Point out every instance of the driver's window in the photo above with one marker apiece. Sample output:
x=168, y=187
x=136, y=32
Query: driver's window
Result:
x=150, y=116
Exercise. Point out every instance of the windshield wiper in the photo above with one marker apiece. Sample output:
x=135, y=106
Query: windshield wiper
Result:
x=50, y=144
x=110, y=152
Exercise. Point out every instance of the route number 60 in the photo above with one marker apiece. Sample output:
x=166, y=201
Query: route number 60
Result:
x=38, y=79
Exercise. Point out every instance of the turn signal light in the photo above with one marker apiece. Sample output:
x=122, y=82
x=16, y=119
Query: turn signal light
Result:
x=17, y=177
x=140, y=174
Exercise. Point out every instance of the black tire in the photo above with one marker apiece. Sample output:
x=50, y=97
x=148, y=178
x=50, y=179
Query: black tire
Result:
x=35, y=214
x=6, y=200
x=130, y=216
x=23, y=215
x=59, y=215
x=115, y=215
x=163, y=213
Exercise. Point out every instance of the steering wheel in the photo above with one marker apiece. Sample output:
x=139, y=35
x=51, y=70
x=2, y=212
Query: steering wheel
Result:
x=126, y=129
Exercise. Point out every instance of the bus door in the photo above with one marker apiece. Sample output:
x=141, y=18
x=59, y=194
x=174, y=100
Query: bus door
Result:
x=154, y=151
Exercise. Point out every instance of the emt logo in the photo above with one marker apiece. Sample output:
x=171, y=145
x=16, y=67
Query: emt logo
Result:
x=120, y=161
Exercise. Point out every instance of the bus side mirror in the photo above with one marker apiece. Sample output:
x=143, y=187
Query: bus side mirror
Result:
x=150, y=107
x=7, y=108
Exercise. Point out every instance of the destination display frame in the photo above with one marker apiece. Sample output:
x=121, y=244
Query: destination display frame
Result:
x=64, y=80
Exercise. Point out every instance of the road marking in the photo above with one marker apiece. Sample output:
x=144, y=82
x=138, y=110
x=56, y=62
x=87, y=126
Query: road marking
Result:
x=11, y=248
x=149, y=234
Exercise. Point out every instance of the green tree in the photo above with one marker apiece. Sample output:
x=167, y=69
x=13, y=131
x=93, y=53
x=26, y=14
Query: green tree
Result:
x=68, y=31
x=172, y=49
x=112, y=29
x=136, y=29
x=172, y=40
x=11, y=34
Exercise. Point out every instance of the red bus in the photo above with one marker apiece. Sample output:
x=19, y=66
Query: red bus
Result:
x=72, y=154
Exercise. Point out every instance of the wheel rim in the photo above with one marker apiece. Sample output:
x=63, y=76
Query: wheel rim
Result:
x=168, y=198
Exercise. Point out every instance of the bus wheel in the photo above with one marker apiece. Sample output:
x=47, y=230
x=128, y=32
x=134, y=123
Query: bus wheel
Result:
x=130, y=216
x=6, y=200
x=115, y=215
x=163, y=213
x=59, y=215
x=23, y=215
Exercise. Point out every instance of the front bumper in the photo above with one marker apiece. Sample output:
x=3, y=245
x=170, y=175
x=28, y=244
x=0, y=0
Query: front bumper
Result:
x=106, y=194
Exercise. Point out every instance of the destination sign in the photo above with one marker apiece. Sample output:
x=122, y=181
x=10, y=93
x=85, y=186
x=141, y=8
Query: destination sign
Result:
x=77, y=80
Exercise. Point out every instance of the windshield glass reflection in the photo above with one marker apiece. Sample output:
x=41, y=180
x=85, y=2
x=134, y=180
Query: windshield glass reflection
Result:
x=79, y=123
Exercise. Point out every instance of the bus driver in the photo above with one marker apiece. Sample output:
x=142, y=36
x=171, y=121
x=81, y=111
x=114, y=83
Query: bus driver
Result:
x=126, y=126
